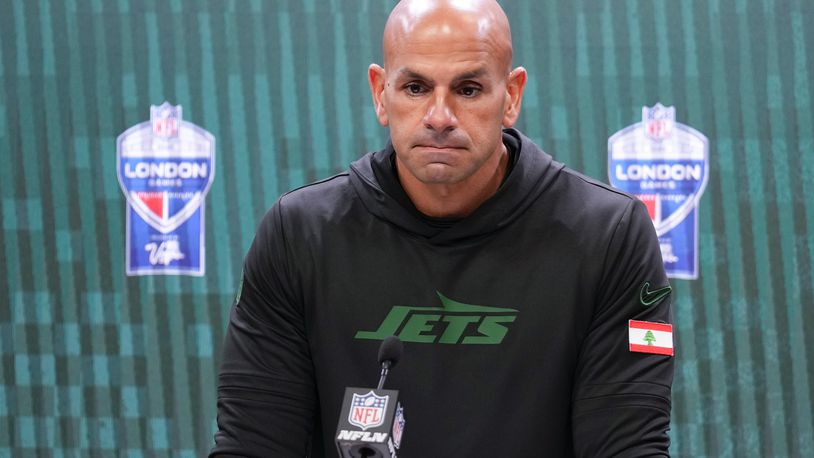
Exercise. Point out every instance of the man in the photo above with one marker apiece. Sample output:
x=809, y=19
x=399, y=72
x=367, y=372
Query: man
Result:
x=510, y=278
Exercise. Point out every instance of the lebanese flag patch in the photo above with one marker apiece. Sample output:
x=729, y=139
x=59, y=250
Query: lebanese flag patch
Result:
x=649, y=337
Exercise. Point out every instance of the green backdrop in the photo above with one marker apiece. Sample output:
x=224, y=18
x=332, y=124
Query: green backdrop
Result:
x=95, y=363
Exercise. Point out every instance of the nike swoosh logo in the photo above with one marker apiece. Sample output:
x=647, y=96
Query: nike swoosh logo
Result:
x=648, y=298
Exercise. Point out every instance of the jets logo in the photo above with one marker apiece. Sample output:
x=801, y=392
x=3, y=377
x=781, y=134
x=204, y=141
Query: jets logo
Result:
x=452, y=323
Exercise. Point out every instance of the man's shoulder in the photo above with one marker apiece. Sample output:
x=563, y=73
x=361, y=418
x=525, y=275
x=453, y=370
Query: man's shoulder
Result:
x=319, y=199
x=310, y=206
x=326, y=191
x=597, y=189
x=565, y=184
x=594, y=199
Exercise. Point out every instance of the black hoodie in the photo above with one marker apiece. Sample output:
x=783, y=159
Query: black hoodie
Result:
x=514, y=318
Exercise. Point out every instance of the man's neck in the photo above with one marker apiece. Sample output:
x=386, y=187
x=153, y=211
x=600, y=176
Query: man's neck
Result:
x=456, y=200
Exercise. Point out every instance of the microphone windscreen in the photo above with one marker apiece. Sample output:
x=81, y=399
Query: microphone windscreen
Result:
x=391, y=350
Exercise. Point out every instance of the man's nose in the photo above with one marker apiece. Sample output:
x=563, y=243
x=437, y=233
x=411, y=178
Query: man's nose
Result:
x=440, y=115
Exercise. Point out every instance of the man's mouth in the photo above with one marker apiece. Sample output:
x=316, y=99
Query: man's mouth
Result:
x=440, y=147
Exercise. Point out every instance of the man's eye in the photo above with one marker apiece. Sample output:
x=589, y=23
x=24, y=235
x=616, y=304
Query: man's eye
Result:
x=469, y=91
x=414, y=88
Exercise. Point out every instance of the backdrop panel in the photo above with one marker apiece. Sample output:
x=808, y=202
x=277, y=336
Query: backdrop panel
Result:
x=96, y=363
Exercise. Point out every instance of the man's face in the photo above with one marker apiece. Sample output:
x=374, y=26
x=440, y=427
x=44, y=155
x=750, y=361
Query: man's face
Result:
x=446, y=94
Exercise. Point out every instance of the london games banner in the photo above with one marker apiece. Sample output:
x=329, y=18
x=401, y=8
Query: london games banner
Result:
x=666, y=165
x=165, y=168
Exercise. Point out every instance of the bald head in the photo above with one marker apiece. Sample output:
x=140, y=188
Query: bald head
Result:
x=429, y=21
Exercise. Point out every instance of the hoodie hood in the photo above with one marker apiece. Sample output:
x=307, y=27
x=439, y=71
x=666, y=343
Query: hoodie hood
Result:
x=374, y=179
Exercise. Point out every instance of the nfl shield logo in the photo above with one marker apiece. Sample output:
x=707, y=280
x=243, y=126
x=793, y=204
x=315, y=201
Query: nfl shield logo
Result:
x=166, y=120
x=658, y=121
x=165, y=167
x=367, y=410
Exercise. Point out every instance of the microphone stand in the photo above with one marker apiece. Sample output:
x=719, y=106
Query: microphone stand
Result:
x=385, y=370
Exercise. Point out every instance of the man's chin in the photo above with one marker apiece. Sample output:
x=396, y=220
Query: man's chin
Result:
x=439, y=174
x=431, y=172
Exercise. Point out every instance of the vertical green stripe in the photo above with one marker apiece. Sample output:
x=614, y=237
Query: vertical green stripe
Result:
x=771, y=400
x=346, y=127
x=20, y=34
x=8, y=217
x=637, y=67
x=65, y=303
x=739, y=401
x=709, y=338
x=96, y=73
x=46, y=38
x=7, y=395
x=9, y=226
x=664, y=48
x=635, y=70
x=770, y=85
x=31, y=340
x=78, y=119
x=187, y=384
x=2, y=63
x=322, y=163
x=224, y=65
x=106, y=181
x=109, y=71
x=176, y=358
x=76, y=147
x=368, y=49
x=279, y=142
x=610, y=74
x=132, y=316
x=25, y=223
x=29, y=201
x=254, y=154
x=558, y=125
x=697, y=314
x=129, y=96
x=322, y=150
x=216, y=199
x=588, y=134
x=291, y=117
x=264, y=127
x=153, y=54
x=158, y=402
x=805, y=149
x=238, y=152
x=803, y=432
x=523, y=32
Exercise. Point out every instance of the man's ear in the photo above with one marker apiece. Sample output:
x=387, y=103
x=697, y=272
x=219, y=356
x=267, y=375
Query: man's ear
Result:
x=515, y=85
x=377, y=78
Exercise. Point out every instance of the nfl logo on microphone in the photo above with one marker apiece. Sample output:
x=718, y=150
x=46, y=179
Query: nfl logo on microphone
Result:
x=165, y=167
x=367, y=411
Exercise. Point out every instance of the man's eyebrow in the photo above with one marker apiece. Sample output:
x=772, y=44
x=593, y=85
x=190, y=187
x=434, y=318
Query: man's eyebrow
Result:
x=412, y=74
x=473, y=74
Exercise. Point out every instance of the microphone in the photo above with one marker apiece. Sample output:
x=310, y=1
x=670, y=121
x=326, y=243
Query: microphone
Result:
x=371, y=422
x=389, y=353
